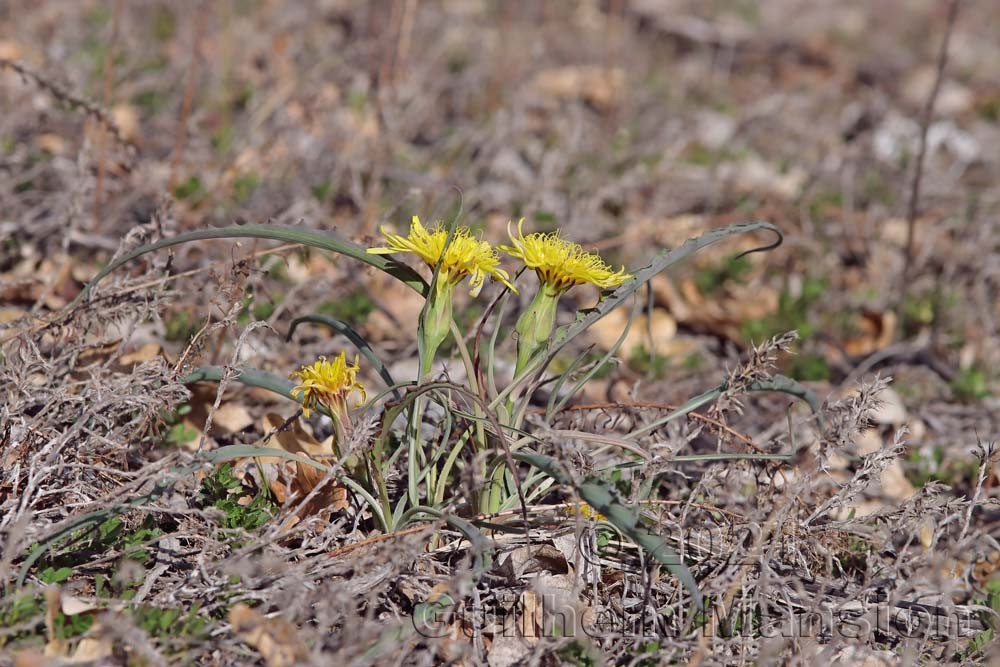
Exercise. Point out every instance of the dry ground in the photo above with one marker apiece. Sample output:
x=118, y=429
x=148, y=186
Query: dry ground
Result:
x=630, y=125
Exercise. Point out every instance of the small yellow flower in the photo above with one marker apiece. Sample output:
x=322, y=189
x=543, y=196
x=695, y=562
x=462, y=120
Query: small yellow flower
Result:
x=561, y=264
x=586, y=511
x=328, y=383
x=464, y=256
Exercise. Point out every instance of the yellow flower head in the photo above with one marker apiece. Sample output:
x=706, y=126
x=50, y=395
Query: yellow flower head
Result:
x=327, y=383
x=561, y=264
x=464, y=256
x=587, y=512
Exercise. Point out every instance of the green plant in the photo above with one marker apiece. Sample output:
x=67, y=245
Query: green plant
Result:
x=244, y=186
x=477, y=427
x=970, y=384
x=354, y=307
x=191, y=190
x=713, y=277
x=792, y=314
x=224, y=491
x=181, y=326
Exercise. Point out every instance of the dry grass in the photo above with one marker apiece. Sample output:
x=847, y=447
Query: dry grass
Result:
x=631, y=128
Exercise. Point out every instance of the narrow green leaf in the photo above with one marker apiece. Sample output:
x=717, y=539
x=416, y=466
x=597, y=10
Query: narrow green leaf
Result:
x=322, y=239
x=664, y=260
x=356, y=339
x=788, y=386
x=248, y=376
x=602, y=496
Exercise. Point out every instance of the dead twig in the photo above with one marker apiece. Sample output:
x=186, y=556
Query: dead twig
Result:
x=927, y=115
x=96, y=113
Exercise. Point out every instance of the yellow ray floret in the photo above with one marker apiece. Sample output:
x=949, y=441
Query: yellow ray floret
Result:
x=464, y=256
x=560, y=263
x=327, y=383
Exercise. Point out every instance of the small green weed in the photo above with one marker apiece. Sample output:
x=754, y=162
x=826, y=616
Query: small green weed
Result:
x=191, y=190
x=809, y=367
x=653, y=366
x=712, y=278
x=321, y=191
x=922, y=468
x=181, y=327
x=970, y=385
x=793, y=313
x=222, y=490
x=353, y=308
x=244, y=186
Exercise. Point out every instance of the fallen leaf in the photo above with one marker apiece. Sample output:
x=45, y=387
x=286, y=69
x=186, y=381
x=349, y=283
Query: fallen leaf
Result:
x=530, y=617
x=73, y=606
x=274, y=638
x=10, y=50
x=876, y=330
x=232, y=418
x=292, y=438
x=92, y=649
x=895, y=485
x=660, y=325
x=136, y=357
x=296, y=440
x=126, y=117
x=722, y=312
x=926, y=531
x=599, y=86
x=507, y=649
x=51, y=143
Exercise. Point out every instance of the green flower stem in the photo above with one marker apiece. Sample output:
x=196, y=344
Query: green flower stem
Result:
x=534, y=327
x=435, y=325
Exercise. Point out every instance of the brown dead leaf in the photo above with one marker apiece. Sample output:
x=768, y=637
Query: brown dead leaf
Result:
x=895, y=485
x=8, y=315
x=228, y=419
x=296, y=440
x=925, y=530
x=126, y=117
x=531, y=617
x=274, y=638
x=73, y=606
x=402, y=306
x=722, y=312
x=532, y=559
x=507, y=649
x=10, y=50
x=93, y=649
x=51, y=143
x=232, y=417
x=293, y=439
x=876, y=330
x=599, y=86
x=661, y=325
x=138, y=356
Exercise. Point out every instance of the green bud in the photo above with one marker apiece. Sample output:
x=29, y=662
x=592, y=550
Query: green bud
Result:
x=435, y=324
x=534, y=327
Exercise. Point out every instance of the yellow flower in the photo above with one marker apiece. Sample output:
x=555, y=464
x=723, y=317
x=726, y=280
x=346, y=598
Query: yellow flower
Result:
x=586, y=511
x=328, y=383
x=464, y=256
x=561, y=264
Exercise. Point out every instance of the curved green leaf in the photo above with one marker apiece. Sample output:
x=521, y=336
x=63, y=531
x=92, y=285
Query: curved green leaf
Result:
x=788, y=386
x=248, y=376
x=662, y=261
x=322, y=239
x=602, y=496
x=356, y=339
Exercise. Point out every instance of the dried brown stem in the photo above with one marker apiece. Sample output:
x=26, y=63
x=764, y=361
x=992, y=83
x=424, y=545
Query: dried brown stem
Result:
x=913, y=206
